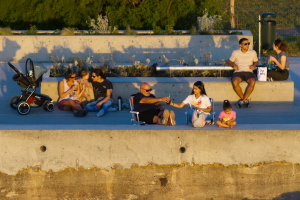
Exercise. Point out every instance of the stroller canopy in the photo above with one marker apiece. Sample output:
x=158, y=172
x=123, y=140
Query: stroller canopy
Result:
x=38, y=69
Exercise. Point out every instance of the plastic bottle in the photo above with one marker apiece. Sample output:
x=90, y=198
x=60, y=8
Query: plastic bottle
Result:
x=120, y=103
x=270, y=65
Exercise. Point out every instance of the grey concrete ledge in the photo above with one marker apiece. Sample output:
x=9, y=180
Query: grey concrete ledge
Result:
x=242, y=127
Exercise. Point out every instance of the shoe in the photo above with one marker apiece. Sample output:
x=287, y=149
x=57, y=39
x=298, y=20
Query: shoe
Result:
x=112, y=109
x=247, y=103
x=85, y=113
x=100, y=113
x=171, y=119
x=270, y=79
x=166, y=115
x=79, y=113
x=239, y=103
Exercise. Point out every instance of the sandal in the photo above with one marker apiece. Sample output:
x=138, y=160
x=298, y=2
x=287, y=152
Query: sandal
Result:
x=79, y=113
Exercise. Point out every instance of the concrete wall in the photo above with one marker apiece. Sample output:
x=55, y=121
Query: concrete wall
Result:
x=145, y=163
x=121, y=47
x=179, y=88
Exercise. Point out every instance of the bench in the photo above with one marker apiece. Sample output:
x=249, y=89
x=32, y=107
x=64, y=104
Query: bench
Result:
x=180, y=87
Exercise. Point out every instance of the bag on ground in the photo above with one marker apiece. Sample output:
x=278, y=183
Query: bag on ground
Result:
x=262, y=73
x=198, y=119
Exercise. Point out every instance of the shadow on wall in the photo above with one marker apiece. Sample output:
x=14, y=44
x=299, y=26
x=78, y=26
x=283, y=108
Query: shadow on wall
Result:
x=8, y=88
x=285, y=196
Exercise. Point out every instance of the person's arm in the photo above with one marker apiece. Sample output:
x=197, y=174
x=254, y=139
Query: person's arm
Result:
x=152, y=100
x=252, y=67
x=108, y=95
x=232, y=64
x=177, y=105
x=159, y=106
x=280, y=65
x=230, y=121
x=61, y=89
x=80, y=93
x=208, y=109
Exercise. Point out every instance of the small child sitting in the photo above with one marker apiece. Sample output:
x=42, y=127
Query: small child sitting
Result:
x=84, y=85
x=227, y=117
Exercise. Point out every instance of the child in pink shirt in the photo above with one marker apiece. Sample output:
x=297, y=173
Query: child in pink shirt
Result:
x=227, y=117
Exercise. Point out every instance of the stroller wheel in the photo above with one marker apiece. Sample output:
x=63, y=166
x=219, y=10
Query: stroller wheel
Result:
x=49, y=106
x=14, y=102
x=23, y=108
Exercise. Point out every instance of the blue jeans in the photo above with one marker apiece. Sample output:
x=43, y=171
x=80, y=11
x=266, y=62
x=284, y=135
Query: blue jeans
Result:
x=190, y=115
x=92, y=106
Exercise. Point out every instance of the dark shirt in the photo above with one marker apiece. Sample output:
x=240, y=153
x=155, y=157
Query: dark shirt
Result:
x=141, y=107
x=100, y=89
x=278, y=57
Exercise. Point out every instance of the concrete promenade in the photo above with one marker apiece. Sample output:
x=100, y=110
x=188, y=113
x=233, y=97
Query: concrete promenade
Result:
x=266, y=116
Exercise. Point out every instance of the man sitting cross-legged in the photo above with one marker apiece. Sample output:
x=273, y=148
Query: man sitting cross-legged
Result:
x=151, y=111
x=243, y=61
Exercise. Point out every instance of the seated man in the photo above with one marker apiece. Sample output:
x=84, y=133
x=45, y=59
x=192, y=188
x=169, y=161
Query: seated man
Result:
x=151, y=111
x=244, y=61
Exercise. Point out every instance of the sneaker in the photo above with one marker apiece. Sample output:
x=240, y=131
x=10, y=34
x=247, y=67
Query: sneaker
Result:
x=79, y=113
x=166, y=115
x=100, y=113
x=239, y=103
x=247, y=103
x=112, y=109
x=171, y=119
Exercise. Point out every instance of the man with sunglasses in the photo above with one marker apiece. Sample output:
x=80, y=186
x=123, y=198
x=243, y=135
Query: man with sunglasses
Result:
x=151, y=111
x=243, y=61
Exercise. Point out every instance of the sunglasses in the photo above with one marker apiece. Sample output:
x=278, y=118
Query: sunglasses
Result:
x=246, y=43
x=73, y=77
x=148, y=90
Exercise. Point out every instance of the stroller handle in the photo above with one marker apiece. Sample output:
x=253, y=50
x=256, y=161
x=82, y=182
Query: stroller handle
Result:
x=15, y=69
x=30, y=66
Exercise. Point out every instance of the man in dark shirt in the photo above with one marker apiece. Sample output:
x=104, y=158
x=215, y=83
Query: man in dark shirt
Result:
x=151, y=111
x=102, y=89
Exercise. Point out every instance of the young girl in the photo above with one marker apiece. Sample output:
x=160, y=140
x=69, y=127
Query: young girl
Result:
x=280, y=60
x=227, y=117
x=84, y=85
x=197, y=101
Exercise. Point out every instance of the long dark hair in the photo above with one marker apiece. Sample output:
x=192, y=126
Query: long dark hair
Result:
x=282, y=46
x=69, y=73
x=199, y=85
x=99, y=72
x=226, y=105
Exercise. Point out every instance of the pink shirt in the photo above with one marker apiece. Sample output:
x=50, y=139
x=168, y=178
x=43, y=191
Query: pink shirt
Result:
x=226, y=117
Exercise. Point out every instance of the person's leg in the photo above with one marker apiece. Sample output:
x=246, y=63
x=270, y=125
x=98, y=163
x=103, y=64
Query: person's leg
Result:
x=236, y=86
x=190, y=115
x=222, y=125
x=278, y=75
x=71, y=105
x=103, y=110
x=251, y=84
x=92, y=106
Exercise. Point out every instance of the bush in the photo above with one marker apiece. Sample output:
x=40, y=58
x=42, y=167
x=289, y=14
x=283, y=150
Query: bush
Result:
x=5, y=31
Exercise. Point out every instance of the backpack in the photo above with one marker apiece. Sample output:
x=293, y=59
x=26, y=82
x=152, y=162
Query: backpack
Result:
x=198, y=119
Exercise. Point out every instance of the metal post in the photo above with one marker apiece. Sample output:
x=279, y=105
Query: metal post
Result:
x=232, y=21
x=259, y=37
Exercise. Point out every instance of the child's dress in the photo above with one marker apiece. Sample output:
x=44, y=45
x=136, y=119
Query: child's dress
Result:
x=225, y=117
x=86, y=93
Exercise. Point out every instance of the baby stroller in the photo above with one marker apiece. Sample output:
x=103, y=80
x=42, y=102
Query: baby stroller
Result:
x=28, y=81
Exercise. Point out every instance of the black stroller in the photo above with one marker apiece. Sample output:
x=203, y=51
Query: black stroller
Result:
x=30, y=80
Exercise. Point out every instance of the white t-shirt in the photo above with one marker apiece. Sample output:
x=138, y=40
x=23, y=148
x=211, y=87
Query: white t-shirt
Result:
x=202, y=102
x=243, y=60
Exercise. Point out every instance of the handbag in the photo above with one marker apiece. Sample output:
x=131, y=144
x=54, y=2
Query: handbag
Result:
x=262, y=74
x=198, y=119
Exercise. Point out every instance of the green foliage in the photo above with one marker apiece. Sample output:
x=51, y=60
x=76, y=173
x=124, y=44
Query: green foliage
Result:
x=138, y=14
x=32, y=30
x=193, y=31
x=68, y=31
x=5, y=31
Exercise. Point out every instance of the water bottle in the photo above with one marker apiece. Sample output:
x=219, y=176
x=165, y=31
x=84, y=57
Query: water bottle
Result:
x=270, y=65
x=120, y=103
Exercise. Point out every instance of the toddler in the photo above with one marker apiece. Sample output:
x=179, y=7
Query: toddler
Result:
x=84, y=84
x=227, y=117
